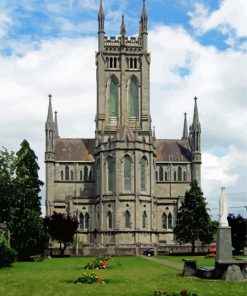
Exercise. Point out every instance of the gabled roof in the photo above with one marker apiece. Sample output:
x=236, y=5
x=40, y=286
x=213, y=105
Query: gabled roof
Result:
x=74, y=149
x=172, y=150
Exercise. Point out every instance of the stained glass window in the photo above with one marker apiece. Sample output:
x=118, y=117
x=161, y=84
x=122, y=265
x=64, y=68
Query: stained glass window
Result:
x=110, y=173
x=143, y=173
x=179, y=174
x=113, y=97
x=87, y=221
x=81, y=221
x=127, y=173
x=161, y=173
x=109, y=220
x=133, y=97
x=127, y=219
x=66, y=172
x=144, y=219
x=170, y=221
x=164, y=221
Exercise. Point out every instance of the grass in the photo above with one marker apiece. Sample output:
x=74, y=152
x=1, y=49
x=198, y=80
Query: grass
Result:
x=130, y=276
x=201, y=260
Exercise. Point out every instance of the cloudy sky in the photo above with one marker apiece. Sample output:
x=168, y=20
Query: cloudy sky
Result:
x=198, y=48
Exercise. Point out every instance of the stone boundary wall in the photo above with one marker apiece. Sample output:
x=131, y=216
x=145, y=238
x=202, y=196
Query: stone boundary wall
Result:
x=89, y=251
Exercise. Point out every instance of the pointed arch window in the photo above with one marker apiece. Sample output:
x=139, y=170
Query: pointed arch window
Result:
x=127, y=173
x=113, y=97
x=144, y=163
x=156, y=175
x=133, y=97
x=175, y=176
x=144, y=219
x=85, y=173
x=179, y=174
x=169, y=221
x=110, y=181
x=164, y=221
x=81, y=221
x=66, y=172
x=161, y=173
x=81, y=175
x=109, y=220
x=87, y=218
x=127, y=219
x=166, y=176
x=71, y=175
x=184, y=176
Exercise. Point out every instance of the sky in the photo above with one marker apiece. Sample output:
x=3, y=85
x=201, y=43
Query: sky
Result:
x=198, y=48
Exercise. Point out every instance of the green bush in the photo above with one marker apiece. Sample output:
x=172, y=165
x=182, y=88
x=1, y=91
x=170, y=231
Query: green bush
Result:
x=7, y=256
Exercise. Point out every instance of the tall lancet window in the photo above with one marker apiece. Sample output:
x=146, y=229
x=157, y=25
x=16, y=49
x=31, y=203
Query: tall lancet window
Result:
x=127, y=173
x=110, y=176
x=133, y=97
x=144, y=163
x=113, y=97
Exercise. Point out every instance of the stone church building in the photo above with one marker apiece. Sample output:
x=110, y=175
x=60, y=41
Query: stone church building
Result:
x=125, y=185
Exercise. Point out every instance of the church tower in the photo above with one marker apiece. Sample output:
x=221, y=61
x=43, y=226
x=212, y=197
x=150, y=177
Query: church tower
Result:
x=124, y=152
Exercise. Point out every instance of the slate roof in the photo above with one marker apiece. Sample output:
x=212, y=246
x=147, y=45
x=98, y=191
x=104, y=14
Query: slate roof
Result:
x=172, y=150
x=74, y=149
x=83, y=150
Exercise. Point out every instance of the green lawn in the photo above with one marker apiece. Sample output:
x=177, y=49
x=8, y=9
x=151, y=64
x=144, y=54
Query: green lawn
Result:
x=128, y=276
x=201, y=260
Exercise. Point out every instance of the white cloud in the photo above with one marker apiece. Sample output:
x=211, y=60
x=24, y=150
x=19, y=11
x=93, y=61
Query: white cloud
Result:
x=229, y=19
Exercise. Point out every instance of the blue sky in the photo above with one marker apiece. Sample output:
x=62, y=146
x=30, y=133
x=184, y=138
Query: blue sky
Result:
x=197, y=48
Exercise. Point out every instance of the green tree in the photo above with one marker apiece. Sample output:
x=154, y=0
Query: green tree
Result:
x=193, y=221
x=238, y=226
x=27, y=230
x=7, y=171
x=62, y=228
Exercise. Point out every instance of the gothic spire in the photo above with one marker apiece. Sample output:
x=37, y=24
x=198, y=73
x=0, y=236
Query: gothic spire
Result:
x=185, y=129
x=56, y=126
x=123, y=27
x=144, y=18
x=101, y=17
x=50, y=113
x=196, y=123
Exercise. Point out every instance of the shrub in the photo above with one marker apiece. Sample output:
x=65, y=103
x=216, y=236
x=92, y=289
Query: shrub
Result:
x=7, y=256
x=89, y=278
x=101, y=262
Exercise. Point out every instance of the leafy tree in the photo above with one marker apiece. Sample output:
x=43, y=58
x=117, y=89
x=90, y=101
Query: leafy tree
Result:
x=238, y=226
x=26, y=226
x=7, y=170
x=61, y=228
x=193, y=221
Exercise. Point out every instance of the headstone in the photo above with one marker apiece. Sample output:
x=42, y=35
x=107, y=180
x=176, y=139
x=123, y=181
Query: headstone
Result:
x=234, y=273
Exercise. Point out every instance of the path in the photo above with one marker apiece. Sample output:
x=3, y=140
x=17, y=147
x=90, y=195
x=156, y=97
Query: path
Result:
x=164, y=262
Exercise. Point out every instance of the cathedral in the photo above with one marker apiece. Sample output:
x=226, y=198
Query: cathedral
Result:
x=125, y=185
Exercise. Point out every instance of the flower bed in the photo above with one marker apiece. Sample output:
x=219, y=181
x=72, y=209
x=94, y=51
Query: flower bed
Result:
x=89, y=278
x=100, y=262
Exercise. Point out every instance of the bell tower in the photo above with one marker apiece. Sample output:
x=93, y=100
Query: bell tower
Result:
x=123, y=79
